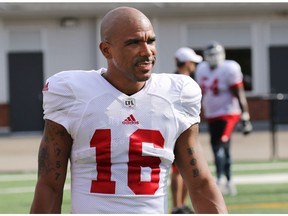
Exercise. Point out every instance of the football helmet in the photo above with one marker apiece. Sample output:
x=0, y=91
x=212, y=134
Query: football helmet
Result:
x=214, y=54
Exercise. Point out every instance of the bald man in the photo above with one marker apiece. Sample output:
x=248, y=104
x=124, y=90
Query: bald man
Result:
x=120, y=128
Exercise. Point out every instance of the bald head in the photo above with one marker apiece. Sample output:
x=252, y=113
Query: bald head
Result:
x=120, y=19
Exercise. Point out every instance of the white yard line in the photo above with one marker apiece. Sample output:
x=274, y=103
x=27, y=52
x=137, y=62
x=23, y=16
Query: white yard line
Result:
x=257, y=166
x=17, y=190
x=261, y=178
x=18, y=177
x=260, y=166
x=21, y=177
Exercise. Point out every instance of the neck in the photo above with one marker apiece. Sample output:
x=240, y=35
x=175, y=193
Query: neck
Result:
x=124, y=86
x=183, y=71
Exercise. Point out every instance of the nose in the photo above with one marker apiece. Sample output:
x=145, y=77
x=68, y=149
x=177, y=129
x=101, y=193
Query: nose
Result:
x=147, y=49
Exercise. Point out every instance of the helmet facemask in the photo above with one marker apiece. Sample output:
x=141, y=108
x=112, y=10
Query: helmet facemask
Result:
x=214, y=55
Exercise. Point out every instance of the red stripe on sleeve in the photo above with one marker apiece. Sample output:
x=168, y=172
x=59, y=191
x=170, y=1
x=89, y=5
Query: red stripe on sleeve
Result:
x=237, y=85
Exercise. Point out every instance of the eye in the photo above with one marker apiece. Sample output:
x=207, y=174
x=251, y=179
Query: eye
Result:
x=132, y=42
x=151, y=40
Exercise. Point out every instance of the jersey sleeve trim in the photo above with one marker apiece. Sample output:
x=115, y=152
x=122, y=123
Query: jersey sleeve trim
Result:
x=237, y=85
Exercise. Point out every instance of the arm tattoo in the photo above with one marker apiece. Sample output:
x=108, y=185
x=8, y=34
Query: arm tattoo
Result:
x=58, y=164
x=195, y=172
x=190, y=151
x=57, y=176
x=57, y=151
x=193, y=162
x=50, y=154
x=43, y=166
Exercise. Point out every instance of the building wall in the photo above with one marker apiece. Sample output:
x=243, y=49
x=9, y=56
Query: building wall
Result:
x=63, y=48
x=68, y=48
x=3, y=65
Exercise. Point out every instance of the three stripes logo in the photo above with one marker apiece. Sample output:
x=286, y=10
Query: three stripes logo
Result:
x=130, y=120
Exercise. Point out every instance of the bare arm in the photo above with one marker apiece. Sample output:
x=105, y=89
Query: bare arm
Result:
x=239, y=93
x=54, y=152
x=189, y=158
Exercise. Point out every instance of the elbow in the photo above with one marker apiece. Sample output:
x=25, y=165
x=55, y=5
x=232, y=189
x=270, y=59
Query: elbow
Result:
x=207, y=198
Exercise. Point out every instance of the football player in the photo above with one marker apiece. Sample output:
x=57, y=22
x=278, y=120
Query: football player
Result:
x=224, y=103
x=119, y=128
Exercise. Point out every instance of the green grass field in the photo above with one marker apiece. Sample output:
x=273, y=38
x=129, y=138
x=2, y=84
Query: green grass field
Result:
x=16, y=191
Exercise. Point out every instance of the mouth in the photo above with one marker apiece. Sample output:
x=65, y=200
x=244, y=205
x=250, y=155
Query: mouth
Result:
x=145, y=65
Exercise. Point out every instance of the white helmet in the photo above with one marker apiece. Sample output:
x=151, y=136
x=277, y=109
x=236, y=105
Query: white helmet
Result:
x=214, y=54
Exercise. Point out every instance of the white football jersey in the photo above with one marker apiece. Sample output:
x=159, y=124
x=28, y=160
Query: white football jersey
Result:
x=122, y=145
x=218, y=99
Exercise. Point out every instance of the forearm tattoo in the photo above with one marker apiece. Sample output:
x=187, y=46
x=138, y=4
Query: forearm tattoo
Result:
x=50, y=148
x=195, y=172
x=190, y=151
x=43, y=166
x=193, y=162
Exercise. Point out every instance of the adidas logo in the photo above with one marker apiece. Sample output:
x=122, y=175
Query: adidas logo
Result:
x=130, y=120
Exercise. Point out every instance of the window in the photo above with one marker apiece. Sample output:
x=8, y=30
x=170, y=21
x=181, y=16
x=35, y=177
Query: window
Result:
x=243, y=57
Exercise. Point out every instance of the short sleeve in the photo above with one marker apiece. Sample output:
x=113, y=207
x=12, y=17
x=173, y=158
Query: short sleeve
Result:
x=235, y=76
x=191, y=103
x=58, y=99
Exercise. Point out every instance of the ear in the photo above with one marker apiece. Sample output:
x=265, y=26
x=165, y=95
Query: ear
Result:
x=105, y=49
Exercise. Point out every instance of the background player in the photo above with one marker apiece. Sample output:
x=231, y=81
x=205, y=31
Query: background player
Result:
x=186, y=60
x=119, y=126
x=224, y=102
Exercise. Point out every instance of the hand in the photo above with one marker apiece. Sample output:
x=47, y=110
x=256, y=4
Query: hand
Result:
x=246, y=127
x=246, y=124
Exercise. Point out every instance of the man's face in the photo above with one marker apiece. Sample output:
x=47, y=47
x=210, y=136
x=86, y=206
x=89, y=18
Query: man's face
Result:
x=133, y=51
x=191, y=67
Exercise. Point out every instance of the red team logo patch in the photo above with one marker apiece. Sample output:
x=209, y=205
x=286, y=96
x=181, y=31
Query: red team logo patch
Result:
x=130, y=120
x=45, y=88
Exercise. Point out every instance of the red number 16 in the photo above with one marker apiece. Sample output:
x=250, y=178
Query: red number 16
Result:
x=101, y=140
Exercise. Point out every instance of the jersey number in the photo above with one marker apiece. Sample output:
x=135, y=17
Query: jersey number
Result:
x=213, y=87
x=101, y=140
